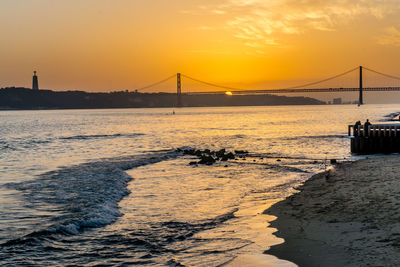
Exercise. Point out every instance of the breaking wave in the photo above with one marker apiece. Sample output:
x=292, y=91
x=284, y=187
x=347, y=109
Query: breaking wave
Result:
x=83, y=196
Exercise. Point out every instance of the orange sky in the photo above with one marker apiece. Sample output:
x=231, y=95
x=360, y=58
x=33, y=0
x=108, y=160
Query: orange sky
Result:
x=108, y=45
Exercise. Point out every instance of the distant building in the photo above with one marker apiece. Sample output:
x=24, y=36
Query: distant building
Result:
x=337, y=101
x=35, y=83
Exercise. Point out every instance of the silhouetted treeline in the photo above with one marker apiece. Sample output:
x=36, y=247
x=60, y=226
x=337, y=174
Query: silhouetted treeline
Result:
x=23, y=98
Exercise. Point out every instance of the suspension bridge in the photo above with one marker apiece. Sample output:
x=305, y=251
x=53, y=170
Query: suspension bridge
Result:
x=313, y=87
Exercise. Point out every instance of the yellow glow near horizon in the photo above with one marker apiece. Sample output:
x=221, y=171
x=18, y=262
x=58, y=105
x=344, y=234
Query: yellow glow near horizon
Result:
x=228, y=93
x=102, y=45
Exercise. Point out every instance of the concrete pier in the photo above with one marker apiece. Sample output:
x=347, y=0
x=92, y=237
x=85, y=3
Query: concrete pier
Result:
x=378, y=138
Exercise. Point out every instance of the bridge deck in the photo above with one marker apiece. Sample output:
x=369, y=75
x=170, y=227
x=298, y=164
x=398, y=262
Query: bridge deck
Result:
x=289, y=91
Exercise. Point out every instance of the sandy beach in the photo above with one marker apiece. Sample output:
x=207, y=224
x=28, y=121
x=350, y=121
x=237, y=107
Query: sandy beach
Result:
x=349, y=216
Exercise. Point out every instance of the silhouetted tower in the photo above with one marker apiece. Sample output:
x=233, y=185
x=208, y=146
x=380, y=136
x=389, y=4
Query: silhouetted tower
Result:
x=35, y=83
x=178, y=91
x=360, y=98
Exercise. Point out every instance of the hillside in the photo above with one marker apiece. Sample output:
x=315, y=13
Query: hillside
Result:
x=24, y=98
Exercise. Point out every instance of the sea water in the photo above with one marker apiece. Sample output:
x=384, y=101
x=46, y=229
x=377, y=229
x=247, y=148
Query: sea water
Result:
x=107, y=187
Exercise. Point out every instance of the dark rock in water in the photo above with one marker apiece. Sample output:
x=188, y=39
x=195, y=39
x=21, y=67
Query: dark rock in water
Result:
x=241, y=152
x=208, y=157
x=178, y=150
x=333, y=161
x=230, y=155
x=220, y=153
x=227, y=156
x=208, y=160
x=278, y=160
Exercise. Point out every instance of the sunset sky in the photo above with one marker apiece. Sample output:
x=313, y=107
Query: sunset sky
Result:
x=107, y=45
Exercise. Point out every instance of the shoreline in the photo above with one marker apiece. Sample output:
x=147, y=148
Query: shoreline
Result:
x=347, y=216
x=158, y=107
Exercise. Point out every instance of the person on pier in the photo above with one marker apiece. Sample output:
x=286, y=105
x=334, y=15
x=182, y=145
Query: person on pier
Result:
x=357, y=128
x=366, y=127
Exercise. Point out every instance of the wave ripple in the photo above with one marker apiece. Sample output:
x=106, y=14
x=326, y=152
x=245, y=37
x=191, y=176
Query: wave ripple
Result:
x=97, y=136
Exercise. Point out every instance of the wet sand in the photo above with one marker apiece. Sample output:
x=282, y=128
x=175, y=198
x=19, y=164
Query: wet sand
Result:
x=349, y=216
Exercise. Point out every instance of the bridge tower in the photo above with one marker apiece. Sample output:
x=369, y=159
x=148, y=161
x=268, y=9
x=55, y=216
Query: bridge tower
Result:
x=35, y=83
x=360, y=99
x=178, y=91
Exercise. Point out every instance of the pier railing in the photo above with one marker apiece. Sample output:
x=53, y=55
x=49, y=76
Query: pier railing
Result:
x=376, y=138
x=375, y=130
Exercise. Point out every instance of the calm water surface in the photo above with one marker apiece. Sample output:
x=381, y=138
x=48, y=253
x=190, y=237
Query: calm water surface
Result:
x=92, y=187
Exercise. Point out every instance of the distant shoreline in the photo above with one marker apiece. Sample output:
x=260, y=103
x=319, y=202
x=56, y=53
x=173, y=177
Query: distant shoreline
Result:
x=177, y=108
x=27, y=99
x=348, y=216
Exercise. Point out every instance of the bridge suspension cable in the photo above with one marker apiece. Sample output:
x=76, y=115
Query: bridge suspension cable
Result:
x=323, y=80
x=383, y=74
x=156, y=83
x=213, y=84
x=286, y=88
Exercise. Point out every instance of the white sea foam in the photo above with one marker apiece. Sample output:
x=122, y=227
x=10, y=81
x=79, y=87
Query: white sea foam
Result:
x=85, y=195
